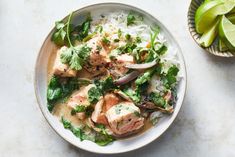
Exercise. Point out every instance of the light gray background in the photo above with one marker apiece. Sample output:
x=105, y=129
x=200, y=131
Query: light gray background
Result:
x=204, y=127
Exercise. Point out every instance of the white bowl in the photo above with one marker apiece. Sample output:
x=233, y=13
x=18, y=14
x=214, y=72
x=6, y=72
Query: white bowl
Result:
x=118, y=146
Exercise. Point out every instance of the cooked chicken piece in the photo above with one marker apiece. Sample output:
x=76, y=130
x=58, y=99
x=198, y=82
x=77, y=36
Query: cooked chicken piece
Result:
x=119, y=68
x=62, y=69
x=110, y=100
x=80, y=97
x=124, y=118
x=98, y=59
x=98, y=116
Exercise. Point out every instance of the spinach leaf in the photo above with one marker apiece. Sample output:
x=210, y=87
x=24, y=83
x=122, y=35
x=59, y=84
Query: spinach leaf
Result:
x=58, y=91
x=94, y=95
x=103, y=139
x=100, y=138
x=81, y=31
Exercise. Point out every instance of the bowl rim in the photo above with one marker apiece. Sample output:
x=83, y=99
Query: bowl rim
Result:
x=41, y=104
x=219, y=53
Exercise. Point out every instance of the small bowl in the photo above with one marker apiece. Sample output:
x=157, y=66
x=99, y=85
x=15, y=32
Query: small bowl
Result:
x=119, y=146
x=214, y=48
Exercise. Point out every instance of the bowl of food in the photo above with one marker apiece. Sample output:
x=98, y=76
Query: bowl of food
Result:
x=110, y=78
x=211, y=24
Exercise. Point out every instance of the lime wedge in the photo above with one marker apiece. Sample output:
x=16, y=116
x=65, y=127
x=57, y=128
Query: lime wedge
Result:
x=208, y=36
x=222, y=46
x=231, y=18
x=207, y=5
x=205, y=21
x=227, y=33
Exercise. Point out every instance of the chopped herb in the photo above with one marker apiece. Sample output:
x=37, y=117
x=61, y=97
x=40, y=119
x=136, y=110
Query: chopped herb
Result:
x=153, y=37
x=118, y=109
x=144, y=77
x=79, y=108
x=105, y=40
x=94, y=95
x=128, y=36
x=128, y=48
x=157, y=99
x=105, y=85
x=170, y=77
x=114, y=53
x=138, y=39
x=119, y=33
x=116, y=40
x=130, y=19
x=98, y=48
x=99, y=29
x=137, y=114
x=133, y=94
x=82, y=108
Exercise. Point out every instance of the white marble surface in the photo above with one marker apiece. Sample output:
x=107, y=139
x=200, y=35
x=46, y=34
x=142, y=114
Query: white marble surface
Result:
x=204, y=127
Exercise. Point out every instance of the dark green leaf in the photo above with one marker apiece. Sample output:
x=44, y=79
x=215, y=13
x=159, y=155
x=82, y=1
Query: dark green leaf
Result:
x=170, y=77
x=144, y=77
x=157, y=99
x=94, y=95
x=58, y=37
x=105, y=40
x=130, y=19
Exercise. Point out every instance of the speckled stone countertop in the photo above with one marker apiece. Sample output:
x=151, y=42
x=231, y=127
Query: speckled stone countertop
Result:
x=205, y=125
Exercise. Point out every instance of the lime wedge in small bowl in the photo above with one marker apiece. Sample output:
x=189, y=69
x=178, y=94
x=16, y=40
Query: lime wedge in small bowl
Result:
x=206, y=18
x=208, y=36
x=227, y=33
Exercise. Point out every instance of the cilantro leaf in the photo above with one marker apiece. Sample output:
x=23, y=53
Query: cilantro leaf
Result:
x=133, y=94
x=94, y=95
x=75, y=56
x=58, y=37
x=170, y=77
x=82, y=108
x=157, y=99
x=105, y=40
x=130, y=19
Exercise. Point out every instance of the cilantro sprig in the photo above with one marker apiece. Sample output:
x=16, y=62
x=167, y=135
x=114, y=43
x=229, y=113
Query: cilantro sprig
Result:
x=74, y=56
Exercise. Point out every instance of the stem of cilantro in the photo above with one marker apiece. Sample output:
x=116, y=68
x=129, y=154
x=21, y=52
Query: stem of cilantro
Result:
x=68, y=27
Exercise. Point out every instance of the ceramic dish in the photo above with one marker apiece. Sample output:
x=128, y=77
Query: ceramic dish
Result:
x=213, y=49
x=118, y=146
